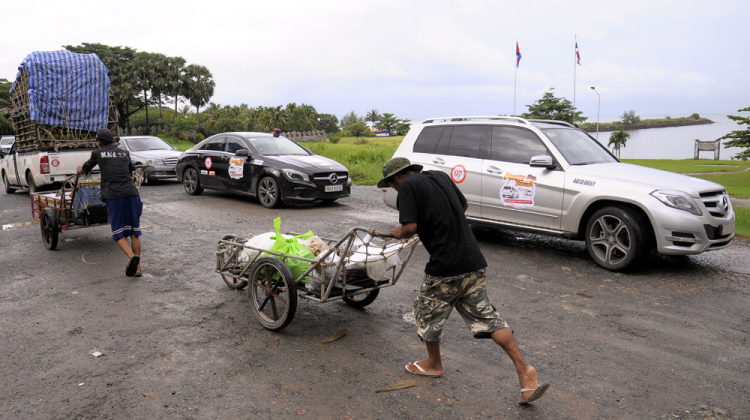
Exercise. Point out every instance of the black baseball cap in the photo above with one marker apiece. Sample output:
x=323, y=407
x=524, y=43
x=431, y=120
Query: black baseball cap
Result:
x=104, y=136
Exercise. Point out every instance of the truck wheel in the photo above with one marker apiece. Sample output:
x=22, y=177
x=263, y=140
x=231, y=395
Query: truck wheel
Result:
x=30, y=181
x=8, y=189
x=49, y=228
x=191, y=182
x=618, y=238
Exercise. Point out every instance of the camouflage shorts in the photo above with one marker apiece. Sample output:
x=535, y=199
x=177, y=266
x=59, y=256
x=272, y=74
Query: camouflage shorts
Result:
x=467, y=293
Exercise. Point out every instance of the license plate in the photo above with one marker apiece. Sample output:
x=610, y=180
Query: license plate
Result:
x=333, y=188
x=726, y=229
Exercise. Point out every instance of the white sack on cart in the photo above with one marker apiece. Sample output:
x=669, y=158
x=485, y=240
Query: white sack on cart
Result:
x=262, y=241
x=377, y=260
x=330, y=267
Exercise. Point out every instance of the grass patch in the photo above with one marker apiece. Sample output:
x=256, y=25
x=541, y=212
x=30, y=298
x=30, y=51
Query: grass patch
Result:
x=742, y=215
x=363, y=159
x=686, y=166
x=737, y=184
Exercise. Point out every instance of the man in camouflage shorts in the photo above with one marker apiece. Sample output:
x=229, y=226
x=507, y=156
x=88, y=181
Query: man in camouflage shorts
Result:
x=431, y=206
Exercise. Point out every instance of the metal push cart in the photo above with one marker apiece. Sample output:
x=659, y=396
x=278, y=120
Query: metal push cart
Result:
x=77, y=204
x=344, y=270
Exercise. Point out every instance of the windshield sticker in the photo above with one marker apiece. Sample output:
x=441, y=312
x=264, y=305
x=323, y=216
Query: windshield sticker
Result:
x=458, y=174
x=518, y=190
x=235, y=168
x=585, y=182
x=204, y=172
x=211, y=173
x=208, y=163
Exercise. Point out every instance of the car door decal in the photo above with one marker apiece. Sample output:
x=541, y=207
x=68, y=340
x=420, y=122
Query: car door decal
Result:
x=458, y=174
x=518, y=190
x=208, y=163
x=236, y=166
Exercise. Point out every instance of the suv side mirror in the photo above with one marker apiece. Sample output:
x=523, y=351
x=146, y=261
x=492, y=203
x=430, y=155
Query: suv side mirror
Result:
x=542, y=161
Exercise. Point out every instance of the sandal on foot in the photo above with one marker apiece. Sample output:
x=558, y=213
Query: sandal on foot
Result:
x=423, y=372
x=132, y=266
x=536, y=395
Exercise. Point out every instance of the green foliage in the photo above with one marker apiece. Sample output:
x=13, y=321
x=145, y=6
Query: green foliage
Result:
x=349, y=119
x=740, y=138
x=199, y=137
x=552, y=108
x=229, y=125
x=5, y=126
x=359, y=129
x=372, y=116
x=364, y=161
x=690, y=166
x=334, y=140
x=695, y=116
x=328, y=123
x=617, y=141
x=742, y=216
x=361, y=141
x=5, y=86
x=629, y=117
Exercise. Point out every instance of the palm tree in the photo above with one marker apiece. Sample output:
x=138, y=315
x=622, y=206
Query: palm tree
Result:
x=199, y=86
x=276, y=118
x=618, y=140
x=373, y=116
x=175, y=67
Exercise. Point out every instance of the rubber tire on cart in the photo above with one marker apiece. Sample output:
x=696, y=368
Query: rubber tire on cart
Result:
x=269, y=193
x=274, y=310
x=361, y=300
x=30, y=182
x=191, y=182
x=8, y=189
x=222, y=254
x=618, y=238
x=49, y=228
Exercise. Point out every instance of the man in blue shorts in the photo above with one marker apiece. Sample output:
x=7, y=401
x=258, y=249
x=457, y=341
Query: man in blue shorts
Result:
x=120, y=196
x=431, y=205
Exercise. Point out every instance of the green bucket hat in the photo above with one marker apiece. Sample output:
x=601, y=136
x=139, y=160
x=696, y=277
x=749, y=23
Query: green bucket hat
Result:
x=394, y=166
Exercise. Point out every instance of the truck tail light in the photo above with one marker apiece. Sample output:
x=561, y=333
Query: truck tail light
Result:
x=44, y=165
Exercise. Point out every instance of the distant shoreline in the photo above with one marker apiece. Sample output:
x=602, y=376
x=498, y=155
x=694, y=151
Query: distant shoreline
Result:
x=616, y=126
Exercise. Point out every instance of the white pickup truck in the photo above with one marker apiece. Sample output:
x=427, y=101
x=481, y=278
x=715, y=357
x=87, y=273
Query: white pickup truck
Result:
x=40, y=170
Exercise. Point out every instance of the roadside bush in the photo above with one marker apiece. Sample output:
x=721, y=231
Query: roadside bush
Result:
x=199, y=137
x=334, y=140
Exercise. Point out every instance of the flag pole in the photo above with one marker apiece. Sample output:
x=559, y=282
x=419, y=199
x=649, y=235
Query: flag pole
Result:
x=574, y=73
x=515, y=80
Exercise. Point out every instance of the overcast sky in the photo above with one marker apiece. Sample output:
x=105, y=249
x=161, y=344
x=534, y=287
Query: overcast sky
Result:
x=421, y=59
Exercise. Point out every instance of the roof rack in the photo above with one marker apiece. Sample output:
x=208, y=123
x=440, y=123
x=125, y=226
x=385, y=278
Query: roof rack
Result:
x=492, y=117
x=558, y=122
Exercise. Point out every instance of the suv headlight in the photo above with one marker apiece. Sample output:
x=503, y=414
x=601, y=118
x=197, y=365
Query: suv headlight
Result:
x=293, y=175
x=155, y=161
x=678, y=200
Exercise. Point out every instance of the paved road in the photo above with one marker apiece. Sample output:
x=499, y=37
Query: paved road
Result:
x=670, y=341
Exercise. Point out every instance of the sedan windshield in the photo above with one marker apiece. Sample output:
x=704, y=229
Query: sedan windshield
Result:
x=147, y=143
x=577, y=147
x=276, y=146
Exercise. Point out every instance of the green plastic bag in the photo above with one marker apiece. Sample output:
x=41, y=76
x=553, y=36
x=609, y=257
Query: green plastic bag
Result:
x=291, y=246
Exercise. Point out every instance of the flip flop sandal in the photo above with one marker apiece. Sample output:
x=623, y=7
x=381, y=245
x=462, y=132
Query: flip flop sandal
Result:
x=423, y=372
x=132, y=266
x=536, y=395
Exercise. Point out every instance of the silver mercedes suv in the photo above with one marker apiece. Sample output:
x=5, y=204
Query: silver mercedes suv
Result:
x=549, y=177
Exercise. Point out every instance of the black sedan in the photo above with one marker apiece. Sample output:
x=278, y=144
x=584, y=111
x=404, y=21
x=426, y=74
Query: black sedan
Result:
x=268, y=166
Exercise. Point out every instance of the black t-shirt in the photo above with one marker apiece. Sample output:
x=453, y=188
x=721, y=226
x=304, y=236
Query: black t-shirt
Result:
x=116, y=168
x=432, y=201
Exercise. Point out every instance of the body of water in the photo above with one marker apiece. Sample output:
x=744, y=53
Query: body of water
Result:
x=675, y=142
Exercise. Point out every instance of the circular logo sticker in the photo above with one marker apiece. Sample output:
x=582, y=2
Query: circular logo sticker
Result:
x=458, y=174
x=55, y=163
x=208, y=163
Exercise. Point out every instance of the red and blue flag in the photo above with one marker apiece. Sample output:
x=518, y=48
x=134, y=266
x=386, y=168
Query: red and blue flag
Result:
x=518, y=54
x=578, y=56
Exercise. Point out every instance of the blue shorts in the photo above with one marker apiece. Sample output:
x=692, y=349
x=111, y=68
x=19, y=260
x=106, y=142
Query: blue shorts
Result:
x=125, y=216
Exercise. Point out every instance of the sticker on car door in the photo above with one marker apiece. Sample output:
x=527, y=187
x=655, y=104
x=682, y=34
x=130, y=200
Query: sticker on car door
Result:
x=518, y=190
x=236, y=166
x=458, y=174
x=208, y=163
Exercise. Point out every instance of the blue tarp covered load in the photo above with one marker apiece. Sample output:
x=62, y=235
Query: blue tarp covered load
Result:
x=65, y=89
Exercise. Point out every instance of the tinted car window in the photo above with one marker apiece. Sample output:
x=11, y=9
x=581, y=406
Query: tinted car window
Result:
x=465, y=140
x=233, y=145
x=276, y=146
x=215, y=144
x=427, y=139
x=516, y=145
x=444, y=142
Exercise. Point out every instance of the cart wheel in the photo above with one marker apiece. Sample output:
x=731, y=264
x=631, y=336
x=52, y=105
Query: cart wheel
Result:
x=272, y=293
x=49, y=228
x=361, y=300
x=222, y=254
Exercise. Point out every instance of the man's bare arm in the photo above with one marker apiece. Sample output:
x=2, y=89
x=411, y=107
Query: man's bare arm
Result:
x=404, y=231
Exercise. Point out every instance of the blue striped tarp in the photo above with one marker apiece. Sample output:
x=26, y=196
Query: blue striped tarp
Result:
x=66, y=89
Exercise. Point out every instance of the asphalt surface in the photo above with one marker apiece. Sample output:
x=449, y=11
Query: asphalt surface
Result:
x=669, y=341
